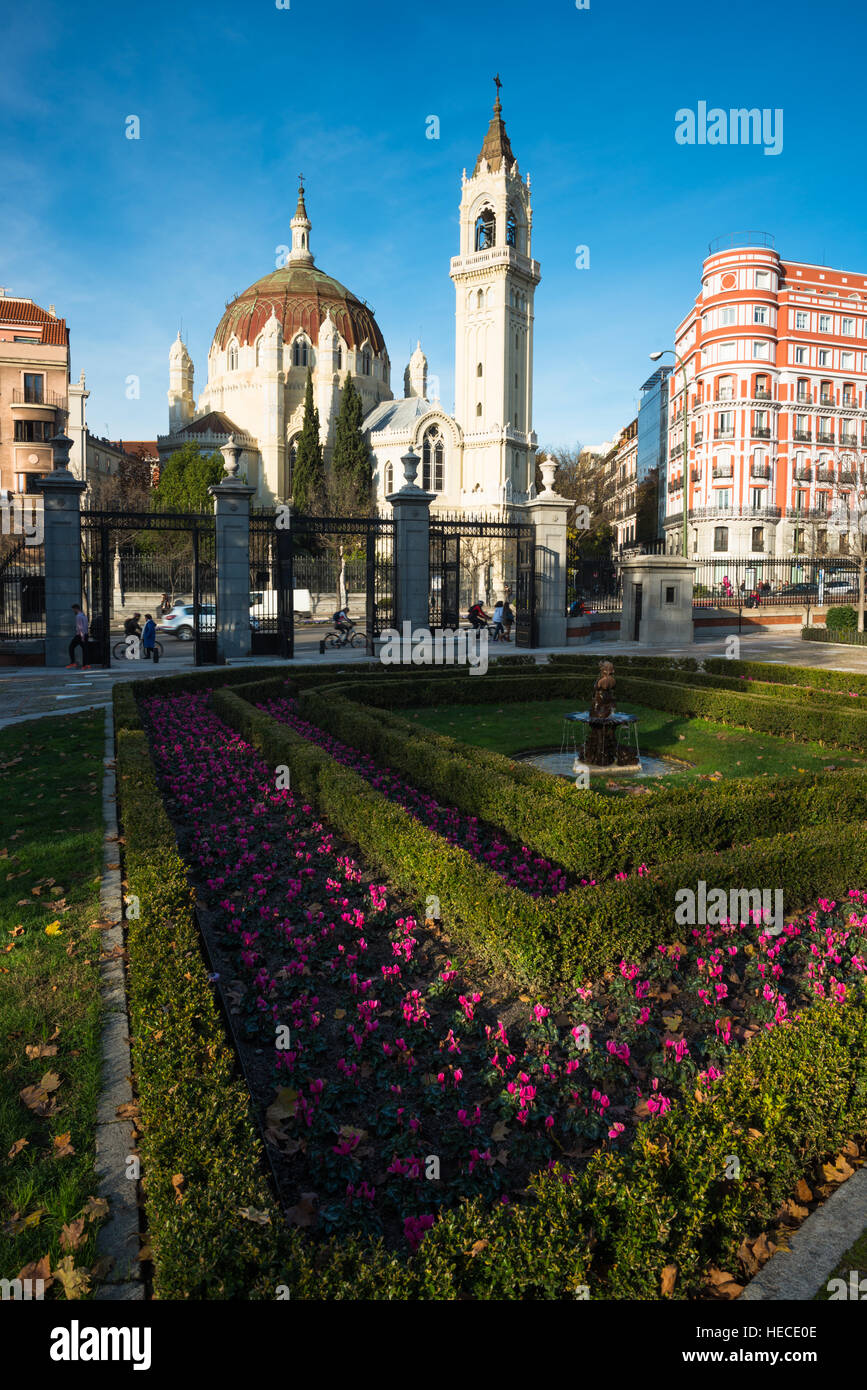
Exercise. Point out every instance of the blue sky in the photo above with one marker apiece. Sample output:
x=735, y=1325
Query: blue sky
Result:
x=129, y=239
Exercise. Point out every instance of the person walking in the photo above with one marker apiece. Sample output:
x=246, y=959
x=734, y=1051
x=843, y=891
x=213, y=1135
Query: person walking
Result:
x=508, y=620
x=497, y=619
x=148, y=637
x=79, y=640
x=165, y=605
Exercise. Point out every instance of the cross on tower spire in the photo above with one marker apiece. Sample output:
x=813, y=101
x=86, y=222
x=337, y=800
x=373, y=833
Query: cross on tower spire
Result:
x=498, y=84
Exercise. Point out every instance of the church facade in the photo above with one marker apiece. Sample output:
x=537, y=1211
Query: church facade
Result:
x=297, y=317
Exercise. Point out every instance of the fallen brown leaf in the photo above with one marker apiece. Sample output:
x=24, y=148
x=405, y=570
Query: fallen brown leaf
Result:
x=667, y=1281
x=62, y=1146
x=72, y=1233
x=17, y=1147
x=76, y=1282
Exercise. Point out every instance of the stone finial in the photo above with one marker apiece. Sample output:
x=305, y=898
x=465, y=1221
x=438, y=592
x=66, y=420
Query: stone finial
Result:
x=410, y=461
x=231, y=452
x=549, y=471
x=60, y=447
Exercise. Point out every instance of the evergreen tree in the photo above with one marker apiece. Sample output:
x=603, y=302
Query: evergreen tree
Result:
x=184, y=482
x=308, y=481
x=351, y=461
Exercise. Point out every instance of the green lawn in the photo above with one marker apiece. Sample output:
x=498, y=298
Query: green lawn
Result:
x=709, y=749
x=50, y=864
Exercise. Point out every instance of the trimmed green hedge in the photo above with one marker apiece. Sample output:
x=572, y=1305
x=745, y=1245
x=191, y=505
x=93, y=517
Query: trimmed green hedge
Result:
x=589, y=835
x=789, y=675
x=795, y=1086
x=846, y=638
x=561, y=938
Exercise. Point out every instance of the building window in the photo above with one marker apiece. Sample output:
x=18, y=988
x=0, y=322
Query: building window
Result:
x=33, y=431
x=485, y=229
x=726, y=390
x=847, y=361
x=849, y=395
x=511, y=231
x=432, y=461
x=301, y=353
x=340, y=356
x=802, y=320
x=763, y=280
x=760, y=313
x=727, y=316
x=758, y=538
x=479, y=408
x=824, y=357
x=848, y=328
x=34, y=388
x=389, y=478
x=822, y=501
x=724, y=499
x=801, y=356
x=824, y=323
x=479, y=370
x=726, y=352
x=233, y=357
x=757, y=498
x=761, y=350
x=720, y=538
x=365, y=362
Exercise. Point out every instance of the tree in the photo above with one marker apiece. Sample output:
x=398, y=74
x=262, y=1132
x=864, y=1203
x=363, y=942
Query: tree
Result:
x=308, y=480
x=184, y=482
x=350, y=465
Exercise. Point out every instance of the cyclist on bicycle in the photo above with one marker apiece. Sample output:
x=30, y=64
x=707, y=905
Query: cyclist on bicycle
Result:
x=344, y=624
x=477, y=616
x=131, y=626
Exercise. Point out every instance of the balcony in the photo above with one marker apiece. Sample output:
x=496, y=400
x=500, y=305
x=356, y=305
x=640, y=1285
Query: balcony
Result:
x=824, y=475
x=49, y=399
x=699, y=437
x=724, y=432
x=804, y=398
x=723, y=470
x=850, y=438
x=822, y=438
x=762, y=432
x=761, y=470
x=724, y=396
x=805, y=514
x=803, y=475
x=734, y=513
x=676, y=485
x=802, y=436
x=676, y=450
x=762, y=396
x=847, y=475
x=695, y=475
x=826, y=399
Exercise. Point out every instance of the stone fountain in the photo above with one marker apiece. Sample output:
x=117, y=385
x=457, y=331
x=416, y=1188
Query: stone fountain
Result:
x=603, y=744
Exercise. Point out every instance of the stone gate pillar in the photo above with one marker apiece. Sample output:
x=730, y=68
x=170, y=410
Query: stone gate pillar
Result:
x=232, y=515
x=549, y=513
x=411, y=548
x=61, y=493
x=657, y=600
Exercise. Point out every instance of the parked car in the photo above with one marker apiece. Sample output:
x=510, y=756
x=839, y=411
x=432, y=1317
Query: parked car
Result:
x=798, y=592
x=179, y=622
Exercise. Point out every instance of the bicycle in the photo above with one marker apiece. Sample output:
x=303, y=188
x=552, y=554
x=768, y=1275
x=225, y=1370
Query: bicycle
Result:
x=130, y=649
x=349, y=637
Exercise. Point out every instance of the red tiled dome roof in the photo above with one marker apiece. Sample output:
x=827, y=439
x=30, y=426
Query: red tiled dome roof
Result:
x=300, y=296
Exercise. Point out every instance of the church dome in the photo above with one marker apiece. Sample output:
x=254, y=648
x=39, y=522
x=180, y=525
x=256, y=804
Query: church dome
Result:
x=301, y=297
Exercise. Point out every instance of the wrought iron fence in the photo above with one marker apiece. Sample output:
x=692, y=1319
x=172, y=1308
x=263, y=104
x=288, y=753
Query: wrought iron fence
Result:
x=773, y=582
x=483, y=557
x=22, y=592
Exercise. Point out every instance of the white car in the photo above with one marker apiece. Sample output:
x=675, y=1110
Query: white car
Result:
x=179, y=621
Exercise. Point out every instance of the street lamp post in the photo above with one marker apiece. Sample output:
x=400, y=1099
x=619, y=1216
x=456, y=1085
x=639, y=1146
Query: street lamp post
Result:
x=654, y=357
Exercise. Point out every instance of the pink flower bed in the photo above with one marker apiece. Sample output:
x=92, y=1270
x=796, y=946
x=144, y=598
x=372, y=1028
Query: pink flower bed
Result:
x=402, y=1085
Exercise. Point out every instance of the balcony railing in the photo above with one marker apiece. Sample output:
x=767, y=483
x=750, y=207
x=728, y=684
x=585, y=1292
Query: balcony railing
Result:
x=724, y=432
x=824, y=475
x=825, y=438
x=676, y=485
x=805, y=514
x=699, y=436
x=762, y=432
x=761, y=470
x=804, y=398
x=723, y=470
x=825, y=399
x=735, y=513
x=763, y=396
x=724, y=396
x=695, y=475
x=803, y=436
x=850, y=437
x=676, y=450
x=847, y=475
x=803, y=475
x=27, y=396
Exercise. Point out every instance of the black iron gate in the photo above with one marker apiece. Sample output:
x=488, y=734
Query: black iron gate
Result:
x=487, y=559
x=22, y=591
x=305, y=567
x=166, y=545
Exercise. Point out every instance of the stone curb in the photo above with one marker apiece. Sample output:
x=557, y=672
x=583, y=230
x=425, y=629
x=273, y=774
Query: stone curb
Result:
x=816, y=1246
x=118, y=1236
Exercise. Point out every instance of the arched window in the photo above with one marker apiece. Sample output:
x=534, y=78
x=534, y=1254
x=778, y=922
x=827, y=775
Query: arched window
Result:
x=233, y=357
x=511, y=230
x=485, y=229
x=479, y=408
x=389, y=478
x=293, y=455
x=301, y=353
x=258, y=351
x=480, y=299
x=339, y=356
x=433, y=456
x=365, y=362
x=479, y=370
